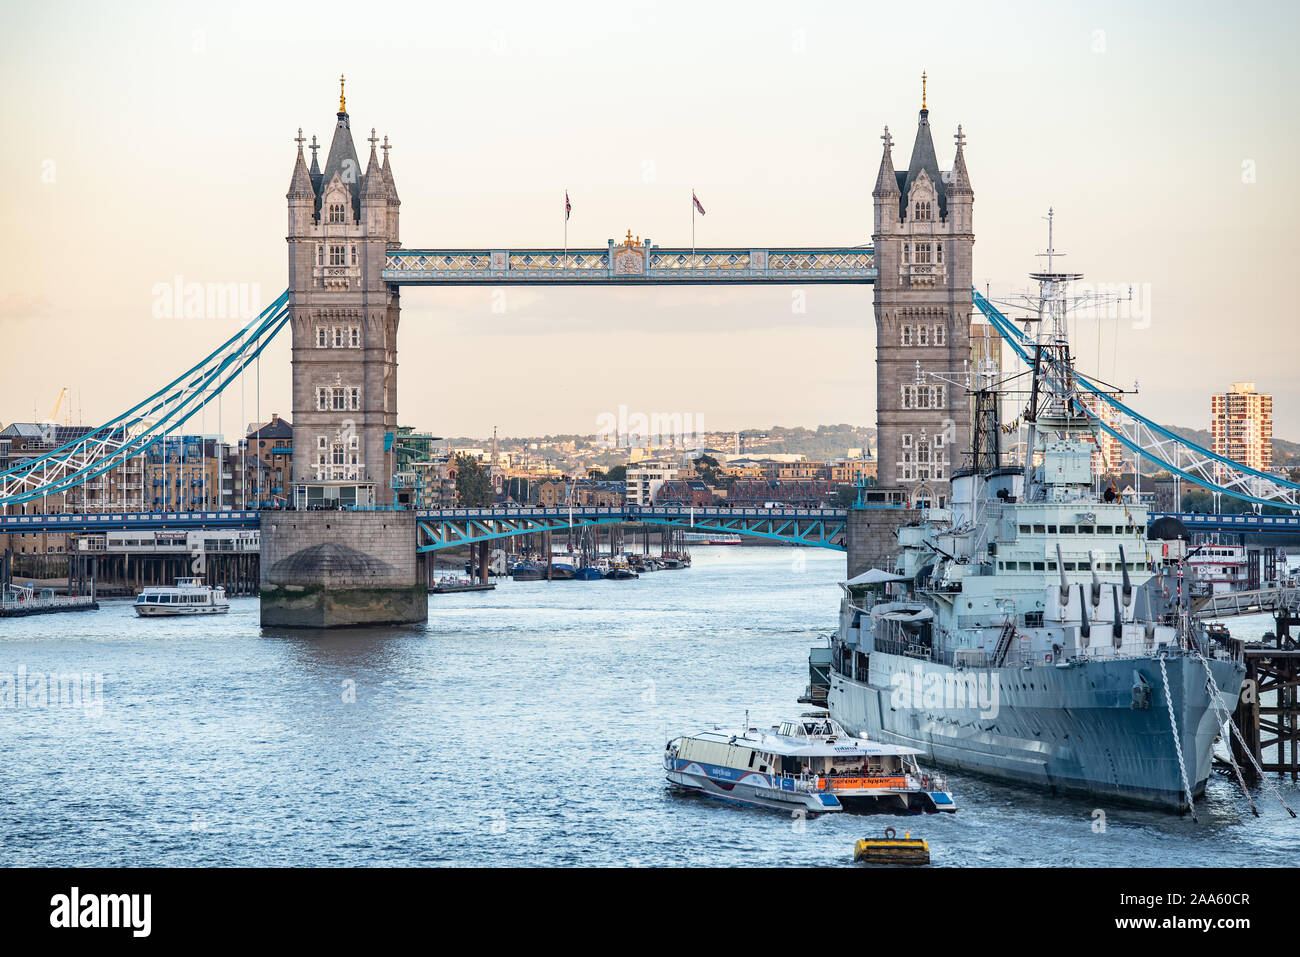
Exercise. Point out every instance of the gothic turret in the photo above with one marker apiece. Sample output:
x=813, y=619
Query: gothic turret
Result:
x=960, y=195
x=301, y=195
x=342, y=168
x=886, y=192
x=923, y=169
x=374, y=195
x=393, y=202
x=315, y=166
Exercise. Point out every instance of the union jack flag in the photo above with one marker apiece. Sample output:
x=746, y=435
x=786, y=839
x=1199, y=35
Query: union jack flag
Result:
x=568, y=207
x=696, y=200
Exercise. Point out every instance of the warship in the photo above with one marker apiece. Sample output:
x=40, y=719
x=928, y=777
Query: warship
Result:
x=1035, y=630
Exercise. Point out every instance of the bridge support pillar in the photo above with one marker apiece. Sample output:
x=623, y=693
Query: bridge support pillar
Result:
x=871, y=537
x=332, y=569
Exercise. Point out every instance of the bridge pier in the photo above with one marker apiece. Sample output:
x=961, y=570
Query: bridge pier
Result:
x=331, y=569
x=871, y=537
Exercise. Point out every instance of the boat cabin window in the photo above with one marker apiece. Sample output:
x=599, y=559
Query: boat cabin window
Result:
x=1067, y=529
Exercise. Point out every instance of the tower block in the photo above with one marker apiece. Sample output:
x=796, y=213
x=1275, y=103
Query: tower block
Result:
x=344, y=319
x=923, y=239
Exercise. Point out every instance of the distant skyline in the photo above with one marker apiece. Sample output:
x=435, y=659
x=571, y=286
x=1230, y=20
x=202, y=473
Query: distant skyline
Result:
x=151, y=141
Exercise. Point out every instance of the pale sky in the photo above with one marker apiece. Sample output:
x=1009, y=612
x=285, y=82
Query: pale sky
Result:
x=146, y=141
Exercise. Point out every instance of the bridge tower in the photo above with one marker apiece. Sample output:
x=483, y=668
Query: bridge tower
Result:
x=344, y=319
x=923, y=239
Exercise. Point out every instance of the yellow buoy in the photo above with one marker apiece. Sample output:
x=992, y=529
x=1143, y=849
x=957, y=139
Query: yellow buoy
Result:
x=892, y=850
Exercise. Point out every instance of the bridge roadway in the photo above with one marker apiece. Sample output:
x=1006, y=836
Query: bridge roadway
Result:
x=1244, y=522
x=793, y=525
x=449, y=527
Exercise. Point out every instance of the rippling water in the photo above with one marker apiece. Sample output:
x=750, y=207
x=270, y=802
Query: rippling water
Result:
x=520, y=726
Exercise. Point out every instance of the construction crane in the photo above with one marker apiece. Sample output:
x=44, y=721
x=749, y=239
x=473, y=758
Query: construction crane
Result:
x=54, y=414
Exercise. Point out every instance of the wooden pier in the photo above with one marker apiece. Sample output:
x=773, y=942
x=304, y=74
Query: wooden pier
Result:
x=1271, y=731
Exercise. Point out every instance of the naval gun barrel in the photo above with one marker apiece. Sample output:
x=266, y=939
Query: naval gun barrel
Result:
x=1084, y=628
x=1128, y=585
x=1065, y=588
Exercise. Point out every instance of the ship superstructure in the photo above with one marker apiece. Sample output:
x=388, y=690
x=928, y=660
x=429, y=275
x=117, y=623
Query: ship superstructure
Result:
x=1031, y=631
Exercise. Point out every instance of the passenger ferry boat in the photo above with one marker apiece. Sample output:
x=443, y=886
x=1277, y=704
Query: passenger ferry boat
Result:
x=189, y=596
x=1217, y=569
x=809, y=764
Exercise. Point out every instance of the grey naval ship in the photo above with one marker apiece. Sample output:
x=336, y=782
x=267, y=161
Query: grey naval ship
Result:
x=1031, y=631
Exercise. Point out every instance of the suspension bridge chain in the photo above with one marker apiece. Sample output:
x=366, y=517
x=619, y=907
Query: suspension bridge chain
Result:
x=1167, y=449
x=142, y=426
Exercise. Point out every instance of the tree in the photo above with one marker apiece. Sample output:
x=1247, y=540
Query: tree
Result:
x=707, y=467
x=473, y=486
x=845, y=496
x=616, y=473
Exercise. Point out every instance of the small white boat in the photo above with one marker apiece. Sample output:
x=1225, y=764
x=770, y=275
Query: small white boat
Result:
x=189, y=596
x=809, y=764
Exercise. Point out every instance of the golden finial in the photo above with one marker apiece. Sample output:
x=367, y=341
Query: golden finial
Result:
x=922, y=89
x=343, y=103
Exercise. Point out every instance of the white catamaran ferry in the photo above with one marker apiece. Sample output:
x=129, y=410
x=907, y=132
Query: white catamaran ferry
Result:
x=189, y=596
x=809, y=764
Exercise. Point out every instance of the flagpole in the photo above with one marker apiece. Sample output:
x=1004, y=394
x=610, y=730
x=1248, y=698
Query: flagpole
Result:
x=692, y=229
x=566, y=230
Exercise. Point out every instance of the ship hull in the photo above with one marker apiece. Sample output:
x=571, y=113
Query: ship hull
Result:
x=1078, y=729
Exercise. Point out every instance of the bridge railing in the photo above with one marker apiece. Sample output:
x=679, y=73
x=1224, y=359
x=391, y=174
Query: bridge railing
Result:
x=630, y=513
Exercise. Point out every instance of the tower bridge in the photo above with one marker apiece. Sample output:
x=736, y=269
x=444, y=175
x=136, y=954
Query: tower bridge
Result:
x=347, y=265
x=346, y=269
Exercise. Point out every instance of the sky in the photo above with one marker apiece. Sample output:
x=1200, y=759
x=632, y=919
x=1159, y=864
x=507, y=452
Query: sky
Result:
x=150, y=141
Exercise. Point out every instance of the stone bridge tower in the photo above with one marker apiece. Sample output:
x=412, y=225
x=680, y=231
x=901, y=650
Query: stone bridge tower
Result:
x=344, y=319
x=923, y=239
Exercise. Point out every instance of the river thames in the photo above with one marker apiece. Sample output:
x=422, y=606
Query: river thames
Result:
x=521, y=726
